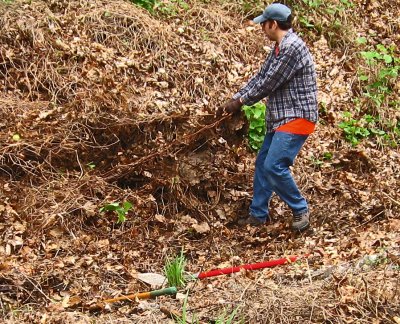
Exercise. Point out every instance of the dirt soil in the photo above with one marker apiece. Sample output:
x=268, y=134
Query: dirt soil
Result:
x=102, y=102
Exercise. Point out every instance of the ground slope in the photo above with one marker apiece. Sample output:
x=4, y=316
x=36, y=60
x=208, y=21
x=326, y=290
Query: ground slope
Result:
x=103, y=102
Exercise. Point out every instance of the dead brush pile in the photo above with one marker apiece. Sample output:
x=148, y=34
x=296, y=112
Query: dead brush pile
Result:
x=102, y=102
x=110, y=84
x=89, y=86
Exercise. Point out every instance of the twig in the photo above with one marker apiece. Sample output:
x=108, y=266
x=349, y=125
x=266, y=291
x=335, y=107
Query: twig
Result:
x=309, y=272
x=393, y=200
x=80, y=165
x=370, y=220
x=366, y=287
x=38, y=288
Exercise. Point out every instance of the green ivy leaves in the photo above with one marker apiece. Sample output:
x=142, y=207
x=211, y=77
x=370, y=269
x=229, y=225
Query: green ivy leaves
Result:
x=255, y=114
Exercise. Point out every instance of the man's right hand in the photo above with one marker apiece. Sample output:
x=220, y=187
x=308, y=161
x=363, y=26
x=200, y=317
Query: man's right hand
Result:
x=232, y=106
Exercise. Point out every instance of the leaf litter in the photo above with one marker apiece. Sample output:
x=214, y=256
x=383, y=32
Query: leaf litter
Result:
x=111, y=104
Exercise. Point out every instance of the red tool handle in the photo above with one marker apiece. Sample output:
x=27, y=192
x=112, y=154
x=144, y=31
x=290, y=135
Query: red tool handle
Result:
x=254, y=266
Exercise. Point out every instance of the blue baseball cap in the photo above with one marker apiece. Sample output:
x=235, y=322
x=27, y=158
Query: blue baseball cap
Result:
x=275, y=11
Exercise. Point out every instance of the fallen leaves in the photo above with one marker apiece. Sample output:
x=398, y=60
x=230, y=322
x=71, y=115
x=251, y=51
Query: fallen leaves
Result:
x=111, y=101
x=201, y=228
x=155, y=280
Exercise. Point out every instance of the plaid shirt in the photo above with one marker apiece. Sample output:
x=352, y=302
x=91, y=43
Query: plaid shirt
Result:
x=288, y=80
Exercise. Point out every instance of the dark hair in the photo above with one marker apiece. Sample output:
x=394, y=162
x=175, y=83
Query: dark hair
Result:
x=284, y=25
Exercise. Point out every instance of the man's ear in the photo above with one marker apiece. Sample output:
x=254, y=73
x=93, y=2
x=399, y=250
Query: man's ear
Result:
x=272, y=24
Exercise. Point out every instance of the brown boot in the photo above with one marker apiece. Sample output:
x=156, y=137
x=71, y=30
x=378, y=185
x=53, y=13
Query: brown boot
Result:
x=252, y=221
x=301, y=221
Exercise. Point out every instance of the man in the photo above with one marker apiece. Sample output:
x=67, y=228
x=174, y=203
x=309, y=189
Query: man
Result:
x=287, y=78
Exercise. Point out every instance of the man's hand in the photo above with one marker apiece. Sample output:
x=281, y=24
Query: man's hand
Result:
x=231, y=107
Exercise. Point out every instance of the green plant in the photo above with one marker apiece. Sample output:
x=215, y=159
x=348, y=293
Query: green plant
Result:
x=379, y=76
x=226, y=318
x=121, y=211
x=319, y=161
x=375, y=260
x=91, y=165
x=255, y=114
x=361, y=40
x=146, y=4
x=184, y=318
x=329, y=7
x=353, y=130
x=316, y=161
x=249, y=7
x=305, y=22
x=313, y=3
x=171, y=7
x=312, y=15
x=356, y=129
x=174, y=270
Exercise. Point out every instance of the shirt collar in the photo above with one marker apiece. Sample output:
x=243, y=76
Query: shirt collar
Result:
x=289, y=32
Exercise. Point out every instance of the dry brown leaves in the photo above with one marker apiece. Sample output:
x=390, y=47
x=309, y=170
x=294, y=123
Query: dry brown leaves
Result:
x=101, y=90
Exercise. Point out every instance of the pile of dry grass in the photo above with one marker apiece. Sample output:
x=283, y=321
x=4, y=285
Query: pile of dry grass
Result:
x=89, y=86
x=109, y=85
x=103, y=57
x=103, y=103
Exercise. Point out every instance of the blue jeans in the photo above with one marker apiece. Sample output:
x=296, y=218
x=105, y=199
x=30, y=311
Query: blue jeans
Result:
x=272, y=174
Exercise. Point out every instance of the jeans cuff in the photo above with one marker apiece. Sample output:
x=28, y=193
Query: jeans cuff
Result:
x=261, y=218
x=303, y=211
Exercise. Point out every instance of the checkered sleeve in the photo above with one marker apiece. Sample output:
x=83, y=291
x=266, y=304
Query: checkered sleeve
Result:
x=280, y=70
x=250, y=84
x=255, y=79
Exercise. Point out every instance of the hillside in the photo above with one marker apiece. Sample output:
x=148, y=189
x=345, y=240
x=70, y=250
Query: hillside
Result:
x=104, y=102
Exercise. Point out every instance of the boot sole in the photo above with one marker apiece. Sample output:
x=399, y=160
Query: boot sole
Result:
x=301, y=229
x=252, y=225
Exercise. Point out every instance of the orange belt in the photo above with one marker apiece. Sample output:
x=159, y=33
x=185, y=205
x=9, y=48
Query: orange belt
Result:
x=298, y=126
